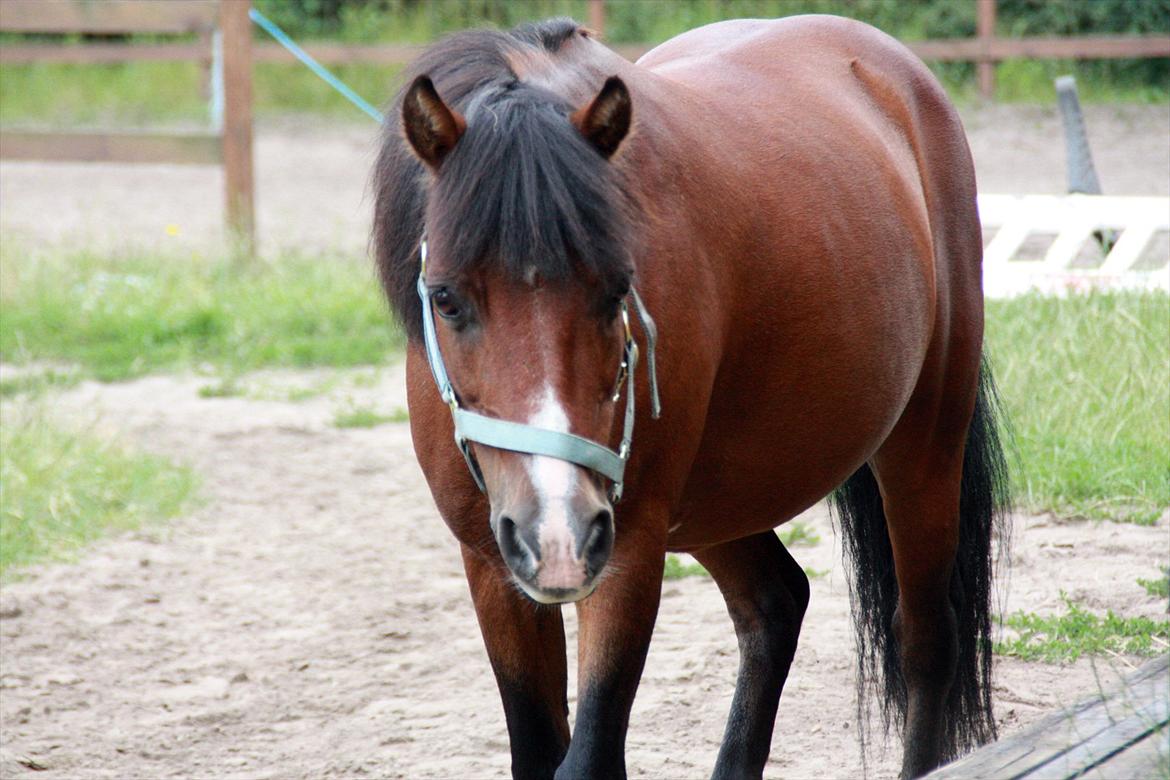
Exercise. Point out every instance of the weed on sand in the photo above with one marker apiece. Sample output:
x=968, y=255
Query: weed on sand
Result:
x=675, y=569
x=367, y=417
x=1077, y=632
x=1157, y=587
x=60, y=489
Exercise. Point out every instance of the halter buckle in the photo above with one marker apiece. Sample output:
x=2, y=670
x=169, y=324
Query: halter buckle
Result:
x=629, y=355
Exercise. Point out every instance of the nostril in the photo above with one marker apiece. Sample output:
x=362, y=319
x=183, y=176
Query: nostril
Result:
x=516, y=551
x=598, y=541
x=510, y=542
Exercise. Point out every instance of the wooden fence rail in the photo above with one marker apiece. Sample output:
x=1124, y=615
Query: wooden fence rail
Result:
x=985, y=49
x=229, y=145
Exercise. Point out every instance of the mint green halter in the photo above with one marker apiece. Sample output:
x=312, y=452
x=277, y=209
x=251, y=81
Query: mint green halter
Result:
x=517, y=437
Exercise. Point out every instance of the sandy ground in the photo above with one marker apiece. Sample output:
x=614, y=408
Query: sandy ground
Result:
x=310, y=618
x=311, y=182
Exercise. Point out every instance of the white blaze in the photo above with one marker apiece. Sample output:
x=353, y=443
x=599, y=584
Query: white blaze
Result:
x=553, y=482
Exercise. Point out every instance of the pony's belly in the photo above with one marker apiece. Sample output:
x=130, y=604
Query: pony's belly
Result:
x=777, y=445
x=754, y=498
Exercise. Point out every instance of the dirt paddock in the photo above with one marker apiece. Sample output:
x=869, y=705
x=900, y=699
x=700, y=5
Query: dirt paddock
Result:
x=310, y=618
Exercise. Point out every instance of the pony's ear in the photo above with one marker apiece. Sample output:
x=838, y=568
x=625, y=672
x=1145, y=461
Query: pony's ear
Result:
x=606, y=120
x=430, y=126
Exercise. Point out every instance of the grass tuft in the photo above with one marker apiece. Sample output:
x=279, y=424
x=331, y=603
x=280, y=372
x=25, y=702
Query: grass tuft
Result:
x=1086, y=382
x=1157, y=587
x=675, y=569
x=798, y=534
x=62, y=489
x=225, y=388
x=366, y=417
x=1077, y=632
x=37, y=382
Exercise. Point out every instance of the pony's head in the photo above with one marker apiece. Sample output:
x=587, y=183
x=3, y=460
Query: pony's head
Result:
x=528, y=266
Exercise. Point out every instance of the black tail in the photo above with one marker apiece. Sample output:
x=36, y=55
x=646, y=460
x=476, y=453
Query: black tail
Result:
x=982, y=508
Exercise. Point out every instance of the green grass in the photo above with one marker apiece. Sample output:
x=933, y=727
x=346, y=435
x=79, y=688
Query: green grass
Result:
x=1031, y=81
x=118, y=318
x=1157, y=587
x=367, y=417
x=675, y=569
x=1086, y=383
x=798, y=534
x=794, y=534
x=1078, y=632
x=225, y=388
x=62, y=489
x=35, y=383
x=136, y=94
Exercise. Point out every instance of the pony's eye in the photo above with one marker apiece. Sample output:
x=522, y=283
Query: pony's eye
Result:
x=445, y=304
x=613, y=306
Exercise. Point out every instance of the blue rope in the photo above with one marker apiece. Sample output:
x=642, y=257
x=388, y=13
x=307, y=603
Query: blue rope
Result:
x=312, y=64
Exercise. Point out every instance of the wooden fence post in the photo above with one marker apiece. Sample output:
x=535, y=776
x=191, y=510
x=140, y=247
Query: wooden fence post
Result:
x=597, y=17
x=985, y=31
x=236, y=30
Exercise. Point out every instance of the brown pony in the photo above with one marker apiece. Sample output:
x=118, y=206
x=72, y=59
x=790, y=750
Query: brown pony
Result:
x=795, y=202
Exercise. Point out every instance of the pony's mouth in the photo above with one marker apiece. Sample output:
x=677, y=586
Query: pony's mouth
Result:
x=555, y=595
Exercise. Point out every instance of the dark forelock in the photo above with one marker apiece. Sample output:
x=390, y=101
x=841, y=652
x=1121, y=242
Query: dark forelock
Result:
x=521, y=189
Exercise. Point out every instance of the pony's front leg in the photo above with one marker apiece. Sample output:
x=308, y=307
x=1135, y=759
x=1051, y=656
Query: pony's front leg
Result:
x=615, y=624
x=526, y=644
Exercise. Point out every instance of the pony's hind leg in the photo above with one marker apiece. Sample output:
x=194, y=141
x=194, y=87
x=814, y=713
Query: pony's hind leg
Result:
x=526, y=645
x=922, y=514
x=938, y=546
x=767, y=594
x=918, y=524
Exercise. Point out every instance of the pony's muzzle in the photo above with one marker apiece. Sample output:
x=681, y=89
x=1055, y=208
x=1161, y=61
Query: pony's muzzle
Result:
x=556, y=557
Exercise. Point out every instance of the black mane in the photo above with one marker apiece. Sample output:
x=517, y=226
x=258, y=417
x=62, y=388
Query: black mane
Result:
x=521, y=189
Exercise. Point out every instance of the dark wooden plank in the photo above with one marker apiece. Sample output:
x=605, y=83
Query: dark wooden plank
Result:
x=200, y=148
x=1088, y=48
x=597, y=16
x=341, y=53
x=1094, y=721
x=985, y=32
x=1081, y=48
x=959, y=49
x=102, y=52
x=108, y=16
x=391, y=54
x=236, y=30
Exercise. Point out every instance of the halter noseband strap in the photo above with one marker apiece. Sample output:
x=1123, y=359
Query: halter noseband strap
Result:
x=519, y=437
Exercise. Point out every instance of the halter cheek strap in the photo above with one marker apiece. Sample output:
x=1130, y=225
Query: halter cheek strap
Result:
x=518, y=437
